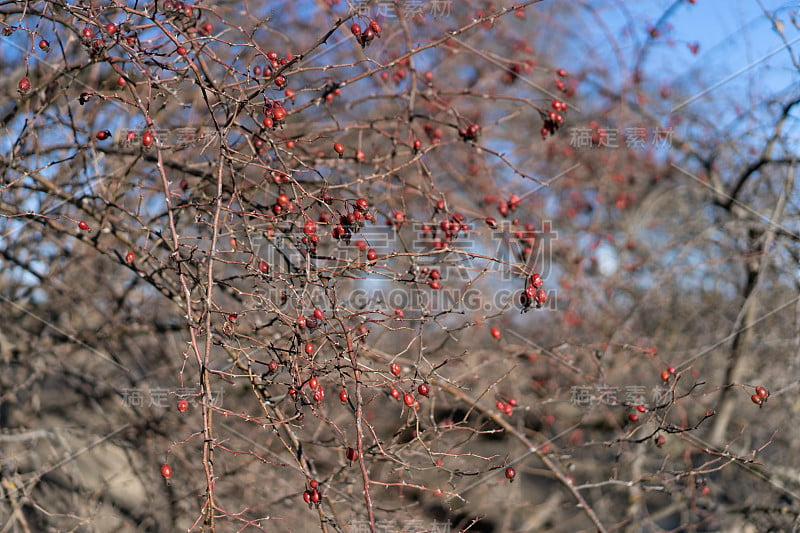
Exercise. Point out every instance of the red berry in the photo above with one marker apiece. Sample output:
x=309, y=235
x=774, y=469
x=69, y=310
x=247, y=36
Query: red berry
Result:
x=435, y=284
x=319, y=395
x=313, y=383
x=756, y=399
x=536, y=280
x=279, y=114
x=103, y=135
x=319, y=314
x=83, y=226
x=44, y=45
x=541, y=296
x=339, y=149
x=307, y=497
x=561, y=72
x=111, y=28
x=309, y=348
x=88, y=34
x=147, y=139
x=181, y=50
x=417, y=145
x=310, y=227
x=762, y=392
x=166, y=471
x=372, y=255
x=510, y=473
x=633, y=417
x=641, y=408
x=424, y=389
x=24, y=85
x=394, y=393
x=665, y=375
x=316, y=496
x=351, y=454
x=129, y=257
x=408, y=399
x=375, y=27
x=394, y=368
x=671, y=369
x=496, y=333
x=263, y=266
x=355, y=29
x=183, y=405
x=273, y=365
x=343, y=396
x=367, y=36
x=491, y=222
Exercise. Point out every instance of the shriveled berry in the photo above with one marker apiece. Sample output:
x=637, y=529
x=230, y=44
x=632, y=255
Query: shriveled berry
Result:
x=351, y=454
x=319, y=395
x=541, y=296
